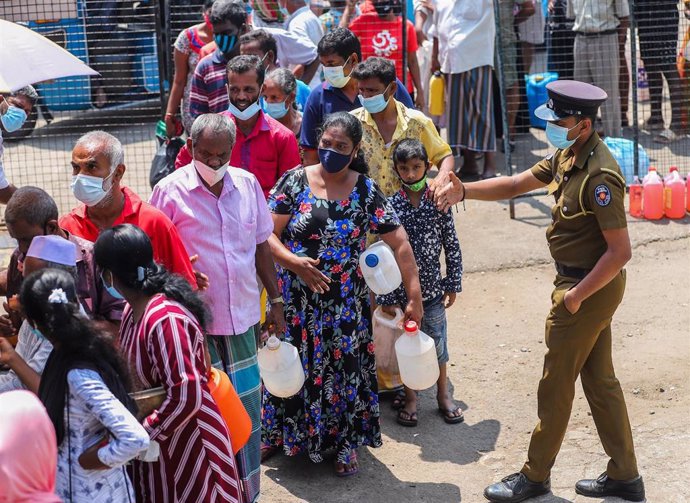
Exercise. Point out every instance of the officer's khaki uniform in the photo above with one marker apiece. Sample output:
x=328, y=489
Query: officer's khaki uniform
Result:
x=589, y=192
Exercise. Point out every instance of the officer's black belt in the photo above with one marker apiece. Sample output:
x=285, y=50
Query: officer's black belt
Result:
x=571, y=272
x=596, y=34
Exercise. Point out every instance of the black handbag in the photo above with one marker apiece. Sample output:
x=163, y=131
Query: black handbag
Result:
x=163, y=162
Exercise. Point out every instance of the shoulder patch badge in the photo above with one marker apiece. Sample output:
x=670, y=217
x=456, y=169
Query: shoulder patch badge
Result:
x=602, y=194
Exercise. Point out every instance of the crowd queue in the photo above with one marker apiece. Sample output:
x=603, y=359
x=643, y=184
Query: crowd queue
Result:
x=283, y=182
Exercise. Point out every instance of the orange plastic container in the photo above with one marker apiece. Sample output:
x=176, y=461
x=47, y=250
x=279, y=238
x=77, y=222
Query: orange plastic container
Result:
x=653, y=196
x=234, y=414
x=674, y=194
x=636, y=198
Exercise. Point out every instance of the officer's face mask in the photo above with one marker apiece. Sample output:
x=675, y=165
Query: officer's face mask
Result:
x=558, y=135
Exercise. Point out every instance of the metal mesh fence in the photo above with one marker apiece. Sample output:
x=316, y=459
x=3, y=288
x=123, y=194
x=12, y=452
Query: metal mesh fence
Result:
x=120, y=40
x=641, y=69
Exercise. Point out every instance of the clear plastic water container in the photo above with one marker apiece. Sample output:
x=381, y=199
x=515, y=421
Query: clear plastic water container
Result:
x=379, y=268
x=417, y=358
x=280, y=368
x=387, y=329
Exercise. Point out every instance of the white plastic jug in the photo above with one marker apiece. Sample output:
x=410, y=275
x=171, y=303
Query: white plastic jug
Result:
x=417, y=358
x=280, y=368
x=380, y=269
x=387, y=330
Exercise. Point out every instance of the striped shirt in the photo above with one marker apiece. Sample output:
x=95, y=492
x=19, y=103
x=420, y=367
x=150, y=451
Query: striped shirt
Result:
x=209, y=93
x=196, y=465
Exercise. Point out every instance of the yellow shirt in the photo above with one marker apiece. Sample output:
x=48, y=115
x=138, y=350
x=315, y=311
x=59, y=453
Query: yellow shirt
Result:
x=379, y=157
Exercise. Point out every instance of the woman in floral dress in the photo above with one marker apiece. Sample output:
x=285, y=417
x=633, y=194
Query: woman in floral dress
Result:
x=321, y=216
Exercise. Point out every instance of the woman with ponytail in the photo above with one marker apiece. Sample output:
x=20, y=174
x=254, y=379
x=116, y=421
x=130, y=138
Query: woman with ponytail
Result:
x=321, y=217
x=84, y=388
x=162, y=337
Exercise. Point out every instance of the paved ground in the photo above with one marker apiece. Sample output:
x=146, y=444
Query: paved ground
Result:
x=496, y=347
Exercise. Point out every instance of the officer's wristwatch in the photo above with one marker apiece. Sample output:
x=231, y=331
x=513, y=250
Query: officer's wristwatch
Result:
x=276, y=300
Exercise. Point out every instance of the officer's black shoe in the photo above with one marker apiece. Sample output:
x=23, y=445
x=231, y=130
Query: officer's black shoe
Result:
x=631, y=490
x=516, y=487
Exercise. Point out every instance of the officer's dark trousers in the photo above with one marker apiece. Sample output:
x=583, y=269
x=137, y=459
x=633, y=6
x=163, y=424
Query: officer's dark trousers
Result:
x=580, y=344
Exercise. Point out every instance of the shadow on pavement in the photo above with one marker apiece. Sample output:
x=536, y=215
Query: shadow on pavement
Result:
x=461, y=444
x=317, y=483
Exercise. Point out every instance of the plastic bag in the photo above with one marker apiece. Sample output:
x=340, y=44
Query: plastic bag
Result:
x=624, y=152
x=163, y=162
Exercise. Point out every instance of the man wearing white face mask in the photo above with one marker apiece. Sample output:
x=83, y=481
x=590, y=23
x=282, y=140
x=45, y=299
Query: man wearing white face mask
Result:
x=339, y=53
x=14, y=109
x=97, y=170
x=263, y=146
x=221, y=213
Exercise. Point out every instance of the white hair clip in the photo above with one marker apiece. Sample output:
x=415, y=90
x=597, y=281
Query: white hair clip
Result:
x=58, y=296
x=140, y=273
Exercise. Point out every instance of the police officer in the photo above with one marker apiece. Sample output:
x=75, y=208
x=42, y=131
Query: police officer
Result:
x=589, y=241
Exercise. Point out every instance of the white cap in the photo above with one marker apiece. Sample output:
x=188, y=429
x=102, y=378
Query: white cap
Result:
x=53, y=249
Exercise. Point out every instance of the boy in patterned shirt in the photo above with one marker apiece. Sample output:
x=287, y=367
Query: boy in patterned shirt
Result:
x=429, y=231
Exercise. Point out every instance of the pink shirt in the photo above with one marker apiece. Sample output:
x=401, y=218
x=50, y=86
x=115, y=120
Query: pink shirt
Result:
x=224, y=232
x=267, y=152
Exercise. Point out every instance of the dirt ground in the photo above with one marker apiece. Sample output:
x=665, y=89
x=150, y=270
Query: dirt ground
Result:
x=496, y=348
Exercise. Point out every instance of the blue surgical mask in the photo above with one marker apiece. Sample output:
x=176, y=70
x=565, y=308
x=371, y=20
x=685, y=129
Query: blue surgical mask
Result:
x=558, y=135
x=112, y=291
x=276, y=110
x=376, y=103
x=247, y=113
x=13, y=119
x=333, y=161
x=225, y=42
x=89, y=189
x=284, y=11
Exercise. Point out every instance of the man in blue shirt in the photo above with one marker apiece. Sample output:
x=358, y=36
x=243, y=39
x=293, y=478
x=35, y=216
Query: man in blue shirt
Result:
x=339, y=52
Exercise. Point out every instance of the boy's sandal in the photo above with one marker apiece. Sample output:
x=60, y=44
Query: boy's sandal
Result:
x=452, y=416
x=399, y=400
x=407, y=418
x=267, y=452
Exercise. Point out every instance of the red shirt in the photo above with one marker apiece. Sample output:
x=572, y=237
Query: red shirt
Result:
x=267, y=152
x=384, y=39
x=168, y=248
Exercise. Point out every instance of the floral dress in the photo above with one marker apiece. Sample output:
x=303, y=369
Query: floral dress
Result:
x=338, y=405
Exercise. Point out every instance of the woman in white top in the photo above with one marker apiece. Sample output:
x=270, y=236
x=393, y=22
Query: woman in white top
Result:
x=84, y=388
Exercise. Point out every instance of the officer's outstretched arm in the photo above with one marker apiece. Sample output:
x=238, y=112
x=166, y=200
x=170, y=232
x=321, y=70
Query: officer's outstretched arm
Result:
x=504, y=187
